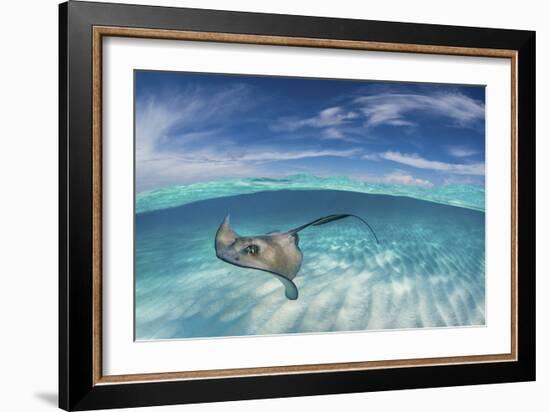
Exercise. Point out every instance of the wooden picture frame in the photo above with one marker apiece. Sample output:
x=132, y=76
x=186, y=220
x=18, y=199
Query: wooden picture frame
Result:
x=82, y=384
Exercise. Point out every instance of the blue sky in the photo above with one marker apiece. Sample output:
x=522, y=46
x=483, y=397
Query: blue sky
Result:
x=194, y=127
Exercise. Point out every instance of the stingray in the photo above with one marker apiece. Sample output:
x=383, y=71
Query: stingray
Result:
x=276, y=252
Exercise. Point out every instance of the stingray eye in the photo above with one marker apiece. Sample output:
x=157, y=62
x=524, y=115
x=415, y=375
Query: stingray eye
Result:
x=252, y=250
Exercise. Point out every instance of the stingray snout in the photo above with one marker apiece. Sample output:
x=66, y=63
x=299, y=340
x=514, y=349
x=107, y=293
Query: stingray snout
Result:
x=228, y=255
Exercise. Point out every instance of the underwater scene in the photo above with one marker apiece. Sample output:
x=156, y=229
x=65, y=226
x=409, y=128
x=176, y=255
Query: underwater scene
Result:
x=427, y=270
x=271, y=205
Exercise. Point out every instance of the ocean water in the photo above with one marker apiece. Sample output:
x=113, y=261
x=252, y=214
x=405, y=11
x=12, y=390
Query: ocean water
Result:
x=427, y=271
x=469, y=196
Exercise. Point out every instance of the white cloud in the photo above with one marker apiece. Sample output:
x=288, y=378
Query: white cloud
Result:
x=332, y=133
x=330, y=117
x=169, y=171
x=392, y=109
x=168, y=125
x=206, y=164
x=414, y=160
x=399, y=177
x=186, y=110
x=371, y=156
x=460, y=180
x=461, y=151
x=172, y=132
x=269, y=156
x=263, y=155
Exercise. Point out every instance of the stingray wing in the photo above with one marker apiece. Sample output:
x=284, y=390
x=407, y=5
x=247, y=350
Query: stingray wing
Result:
x=225, y=236
x=283, y=255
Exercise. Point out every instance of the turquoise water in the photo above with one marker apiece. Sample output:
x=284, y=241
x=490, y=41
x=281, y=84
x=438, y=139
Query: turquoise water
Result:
x=427, y=271
x=469, y=196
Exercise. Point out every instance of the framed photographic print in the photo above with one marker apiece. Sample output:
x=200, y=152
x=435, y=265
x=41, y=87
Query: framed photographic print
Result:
x=257, y=205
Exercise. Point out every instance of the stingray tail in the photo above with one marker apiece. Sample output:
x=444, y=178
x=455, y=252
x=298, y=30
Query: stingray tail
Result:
x=291, y=291
x=332, y=218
